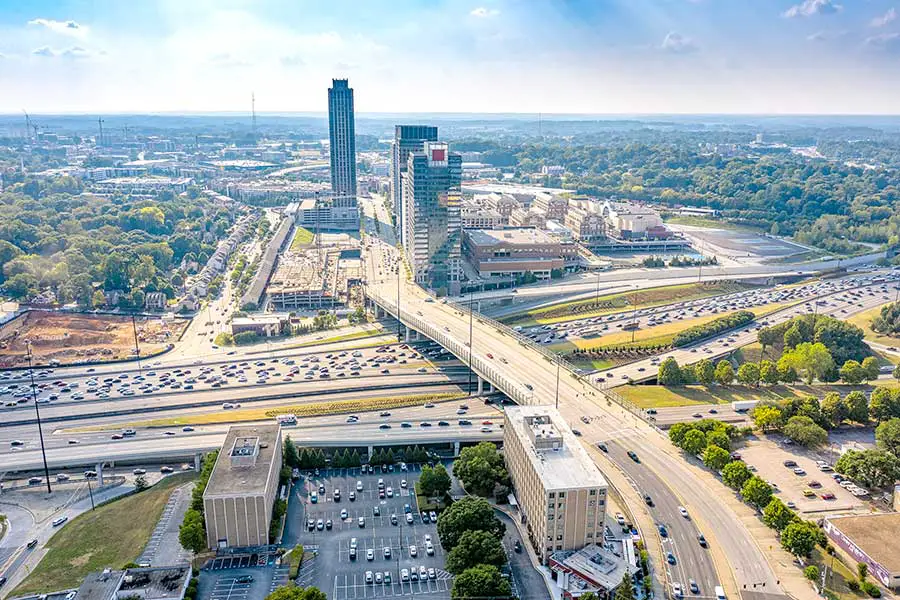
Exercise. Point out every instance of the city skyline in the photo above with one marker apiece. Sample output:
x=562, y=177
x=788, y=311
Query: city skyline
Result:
x=565, y=57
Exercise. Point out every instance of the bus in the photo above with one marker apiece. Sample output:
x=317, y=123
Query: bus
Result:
x=286, y=420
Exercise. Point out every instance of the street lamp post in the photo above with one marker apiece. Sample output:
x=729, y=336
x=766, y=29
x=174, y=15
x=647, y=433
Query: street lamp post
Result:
x=633, y=314
x=137, y=348
x=399, y=339
x=557, y=380
x=471, y=323
x=37, y=412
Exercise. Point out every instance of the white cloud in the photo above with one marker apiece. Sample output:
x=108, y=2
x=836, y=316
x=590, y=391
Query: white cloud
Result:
x=483, y=12
x=809, y=8
x=888, y=17
x=819, y=36
x=76, y=52
x=62, y=27
x=885, y=41
x=45, y=51
x=676, y=43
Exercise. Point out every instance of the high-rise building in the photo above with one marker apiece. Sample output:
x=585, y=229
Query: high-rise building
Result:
x=431, y=206
x=342, y=135
x=560, y=492
x=406, y=139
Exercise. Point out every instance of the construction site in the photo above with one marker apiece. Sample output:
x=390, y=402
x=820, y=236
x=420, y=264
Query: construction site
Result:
x=65, y=338
x=321, y=274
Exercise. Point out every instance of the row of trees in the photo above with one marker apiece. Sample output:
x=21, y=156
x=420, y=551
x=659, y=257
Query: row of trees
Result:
x=192, y=532
x=703, y=372
x=707, y=438
x=315, y=458
x=843, y=341
x=714, y=327
x=887, y=321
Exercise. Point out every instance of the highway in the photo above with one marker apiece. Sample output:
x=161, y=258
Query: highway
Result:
x=517, y=366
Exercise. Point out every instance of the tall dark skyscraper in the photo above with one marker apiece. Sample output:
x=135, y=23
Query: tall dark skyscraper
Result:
x=342, y=134
x=407, y=138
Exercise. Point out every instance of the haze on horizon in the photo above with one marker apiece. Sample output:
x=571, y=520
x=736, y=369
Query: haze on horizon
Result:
x=591, y=57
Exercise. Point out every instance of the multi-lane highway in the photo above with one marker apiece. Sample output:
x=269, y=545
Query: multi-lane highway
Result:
x=520, y=365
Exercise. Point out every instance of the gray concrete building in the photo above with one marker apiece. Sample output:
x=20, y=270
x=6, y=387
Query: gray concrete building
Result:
x=243, y=486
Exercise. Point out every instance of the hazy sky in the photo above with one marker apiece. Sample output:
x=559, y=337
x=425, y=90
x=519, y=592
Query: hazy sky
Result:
x=526, y=56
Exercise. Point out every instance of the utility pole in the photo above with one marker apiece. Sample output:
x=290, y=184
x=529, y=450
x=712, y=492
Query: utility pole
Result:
x=90, y=492
x=37, y=412
x=633, y=315
x=137, y=348
x=399, y=325
x=471, y=319
x=557, y=381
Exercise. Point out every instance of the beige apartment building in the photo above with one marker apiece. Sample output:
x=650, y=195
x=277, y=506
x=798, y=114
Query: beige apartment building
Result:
x=560, y=492
x=242, y=488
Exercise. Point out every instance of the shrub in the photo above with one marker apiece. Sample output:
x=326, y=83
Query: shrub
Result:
x=853, y=585
x=870, y=588
x=811, y=572
x=699, y=332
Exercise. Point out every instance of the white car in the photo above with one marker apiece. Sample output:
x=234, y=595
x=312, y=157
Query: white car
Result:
x=684, y=512
x=413, y=551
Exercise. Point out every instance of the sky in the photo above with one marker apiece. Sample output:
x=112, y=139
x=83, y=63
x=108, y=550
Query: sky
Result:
x=502, y=56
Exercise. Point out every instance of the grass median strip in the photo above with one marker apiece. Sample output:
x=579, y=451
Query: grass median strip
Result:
x=619, y=301
x=344, y=337
x=311, y=409
x=110, y=536
x=657, y=396
x=302, y=238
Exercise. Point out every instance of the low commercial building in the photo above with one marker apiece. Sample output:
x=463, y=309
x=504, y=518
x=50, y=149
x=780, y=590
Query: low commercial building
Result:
x=328, y=214
x=629, y=221
x=559, y=490
x=555, y=206
x=262, y=325
x=594, y=568
x=871, y=539
x=146, y=583
x=516, y=251
x=243, y=486
x=479, y=217
x=585, y=223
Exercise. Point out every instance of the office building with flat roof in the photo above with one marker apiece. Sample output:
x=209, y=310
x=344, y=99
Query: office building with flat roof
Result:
x=406, y=139
x=342, y=136
x=243, y=486
x=432, y=216
x=515, y=251
x=560, y=492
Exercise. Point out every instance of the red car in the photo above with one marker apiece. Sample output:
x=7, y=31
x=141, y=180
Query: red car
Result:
x=487, y=423
x=489, y=355
x=827, y=496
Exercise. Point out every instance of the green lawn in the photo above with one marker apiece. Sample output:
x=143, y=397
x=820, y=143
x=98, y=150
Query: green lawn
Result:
x=657, y=396
x=708, y=222
x=302, y=238
x=619, y=301
x=110, y=536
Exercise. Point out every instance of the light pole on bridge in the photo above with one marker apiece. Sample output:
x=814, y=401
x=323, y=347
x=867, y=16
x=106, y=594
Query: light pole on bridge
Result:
x=471, y=320
x=37, y=412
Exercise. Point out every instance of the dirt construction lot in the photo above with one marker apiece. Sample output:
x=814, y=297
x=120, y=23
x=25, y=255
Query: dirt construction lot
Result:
x=72, y=338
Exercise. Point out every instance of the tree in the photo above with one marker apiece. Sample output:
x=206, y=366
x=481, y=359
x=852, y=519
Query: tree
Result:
x=872, y=468
x=140, y=483
x=625, y=590
x=718, y=438
x=748, y=374
x=192, y=533
x=756, y=492
x=677, y=432
x=705, y=372
x=480, y=468
x=852, y=373
x=811, y=573
x=871, y=368
x=862, y=570
x=293, y=592
x=475, y=548
x=766, y=417
x=799, y=538
x=813, y=360
x=896, y=372
x=289, y=450
x=833, y=409
x=724, y=372
x=768, y=372
x=777, y=515
x=857, y=407
x=716, y=458
x=792, y=337
x=805, y=432
x=480, y=581
x=467, y=514
x=887, y=436
x=787, y=373
x=694, y=441
x=441, y=481
x=735, y=474
x=883, y=405
x=669, y=373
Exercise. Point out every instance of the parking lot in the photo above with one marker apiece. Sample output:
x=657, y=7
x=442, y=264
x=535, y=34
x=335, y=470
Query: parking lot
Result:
x=372, y=548
x=767, y=456
x=231, y=584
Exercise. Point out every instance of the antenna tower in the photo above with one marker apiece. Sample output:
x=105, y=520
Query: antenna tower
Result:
x=100, y=123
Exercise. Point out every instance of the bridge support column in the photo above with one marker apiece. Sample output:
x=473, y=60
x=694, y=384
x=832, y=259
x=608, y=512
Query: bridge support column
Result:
x=488, y=386
x=198, y=458
x=455, y=449
x=378, y=312
x=480, y=386
x=408, y=334
x=371, y=450
x=99, y=469
x=418, y=336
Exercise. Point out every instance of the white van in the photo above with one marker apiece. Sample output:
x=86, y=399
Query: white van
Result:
x=720, y=593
